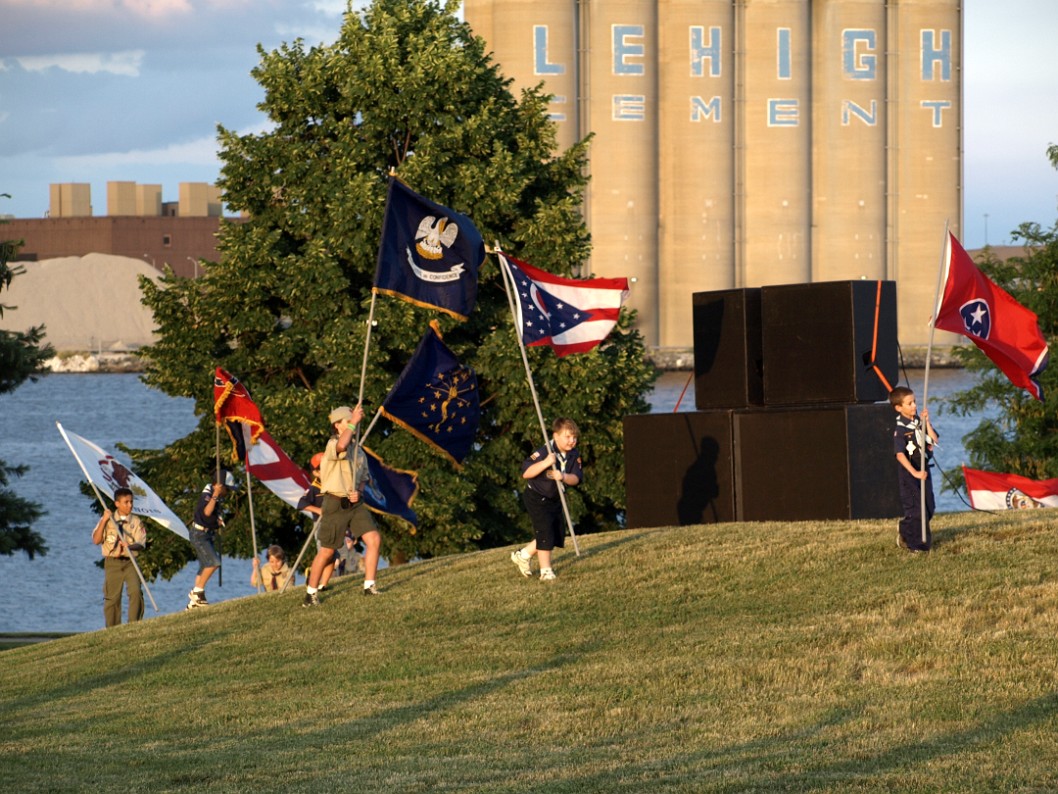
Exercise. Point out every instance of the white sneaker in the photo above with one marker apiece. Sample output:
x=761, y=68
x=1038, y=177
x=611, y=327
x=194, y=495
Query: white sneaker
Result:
x=547, y=575
x=524, y=564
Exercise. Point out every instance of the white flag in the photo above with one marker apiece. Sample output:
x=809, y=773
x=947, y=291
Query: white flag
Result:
x=109, y=474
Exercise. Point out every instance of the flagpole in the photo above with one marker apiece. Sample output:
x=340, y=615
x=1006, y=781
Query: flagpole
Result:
x=370, y=427
x=103, y=504
x=925, y=381
x=304, y=548
x=249, y=498
x=508, y=285
x=360, y=394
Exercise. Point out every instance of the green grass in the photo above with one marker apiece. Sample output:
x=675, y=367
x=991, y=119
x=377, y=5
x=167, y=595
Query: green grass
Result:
x=728, y=658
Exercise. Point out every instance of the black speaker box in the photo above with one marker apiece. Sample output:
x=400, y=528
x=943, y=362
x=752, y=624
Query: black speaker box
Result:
x=818, y=340
x=815, y=463
x=679, y=469
x=728, y=364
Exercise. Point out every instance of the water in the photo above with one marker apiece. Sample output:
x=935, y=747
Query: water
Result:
x=62, y=591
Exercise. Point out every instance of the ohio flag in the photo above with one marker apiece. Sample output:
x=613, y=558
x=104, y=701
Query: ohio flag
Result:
x=570, y=315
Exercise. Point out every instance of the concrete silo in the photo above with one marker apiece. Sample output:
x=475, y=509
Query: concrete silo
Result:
x=696, y=158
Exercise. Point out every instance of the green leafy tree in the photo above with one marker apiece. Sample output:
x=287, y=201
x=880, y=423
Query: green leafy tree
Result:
x=22, y=355
x=406, y=88
x=1022, y=439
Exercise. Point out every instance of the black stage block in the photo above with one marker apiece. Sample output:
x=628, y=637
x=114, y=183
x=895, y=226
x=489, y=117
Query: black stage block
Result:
x=679, y=469
x=728, y=365
x=818, y=338
x=801, y=464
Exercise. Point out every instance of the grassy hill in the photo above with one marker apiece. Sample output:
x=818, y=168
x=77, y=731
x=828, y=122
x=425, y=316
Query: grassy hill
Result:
x=728, y=658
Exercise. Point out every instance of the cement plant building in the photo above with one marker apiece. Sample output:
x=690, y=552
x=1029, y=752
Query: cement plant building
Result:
x=744, y=143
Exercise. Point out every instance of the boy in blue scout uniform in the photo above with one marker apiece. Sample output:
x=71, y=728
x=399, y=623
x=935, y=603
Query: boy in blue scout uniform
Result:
x=557, y=462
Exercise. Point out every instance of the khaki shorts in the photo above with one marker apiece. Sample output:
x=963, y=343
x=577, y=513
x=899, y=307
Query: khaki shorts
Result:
x=341, y=516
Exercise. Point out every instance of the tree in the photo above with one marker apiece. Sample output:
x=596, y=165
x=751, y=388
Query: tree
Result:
x=406, y=87
x=1022, y=439
x=22, y=355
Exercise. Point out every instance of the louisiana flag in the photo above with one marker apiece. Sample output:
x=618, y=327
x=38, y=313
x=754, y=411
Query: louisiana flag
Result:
x=428, y=254
x=568, y=314
x=1002, y=328
x=991, y=491
x=232, y=405
x=390, y=491
x=436, y=398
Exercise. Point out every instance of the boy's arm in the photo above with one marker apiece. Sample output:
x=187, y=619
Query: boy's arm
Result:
x=538, y=468
x=99, y=533
x=903, y=460
x=933, y=436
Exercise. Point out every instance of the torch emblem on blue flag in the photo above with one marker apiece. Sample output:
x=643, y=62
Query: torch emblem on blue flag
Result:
x=436, y=398
x=428, y=254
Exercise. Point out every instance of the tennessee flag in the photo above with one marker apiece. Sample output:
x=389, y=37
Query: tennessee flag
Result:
x=570, y=315
x=232, y=405
x=428, y=254
x=1002, y=328
x=992, y=491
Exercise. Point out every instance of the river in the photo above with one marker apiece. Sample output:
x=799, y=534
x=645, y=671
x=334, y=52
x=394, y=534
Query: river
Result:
x=62, y=590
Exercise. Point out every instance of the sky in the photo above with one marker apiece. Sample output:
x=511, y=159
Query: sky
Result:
x=107, y=90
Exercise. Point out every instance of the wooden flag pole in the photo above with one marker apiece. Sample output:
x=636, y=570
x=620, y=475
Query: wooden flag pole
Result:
x=508, y=284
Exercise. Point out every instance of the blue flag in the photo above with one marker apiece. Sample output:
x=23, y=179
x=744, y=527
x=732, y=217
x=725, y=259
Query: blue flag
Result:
x=390, y=491
x=428, y=255
x=436, y=398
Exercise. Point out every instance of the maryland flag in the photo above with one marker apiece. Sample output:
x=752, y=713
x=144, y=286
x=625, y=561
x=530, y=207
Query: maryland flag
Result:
x=428, y=255
x=436, y=398
x=232, y=406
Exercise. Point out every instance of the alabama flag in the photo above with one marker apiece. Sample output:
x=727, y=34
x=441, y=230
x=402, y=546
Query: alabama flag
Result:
x=266, y=461
x=1004, y=330
x=571, y=315
x=991, y=491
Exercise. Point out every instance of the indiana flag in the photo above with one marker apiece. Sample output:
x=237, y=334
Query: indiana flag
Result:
x=428, y=254
x=389, y=490
x=436, y=398
x=991, y=491
x=107, y=473
x=266, y=461
x=570, y=315
x=1002, y=328
x=232, y=405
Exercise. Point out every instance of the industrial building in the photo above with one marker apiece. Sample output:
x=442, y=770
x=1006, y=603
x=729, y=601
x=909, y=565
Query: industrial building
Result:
x=137, y=224
x=744, y=143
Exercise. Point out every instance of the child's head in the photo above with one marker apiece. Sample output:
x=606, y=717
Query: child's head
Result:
x=276, y=555
x=565, y=432
x=903, y=401
x=123, y=501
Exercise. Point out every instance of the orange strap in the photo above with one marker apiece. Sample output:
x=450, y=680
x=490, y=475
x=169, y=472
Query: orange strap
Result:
x=874, y=343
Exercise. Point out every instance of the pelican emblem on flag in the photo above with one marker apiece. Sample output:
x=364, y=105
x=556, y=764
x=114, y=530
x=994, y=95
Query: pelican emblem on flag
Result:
x=977, y=318
x=432, y=234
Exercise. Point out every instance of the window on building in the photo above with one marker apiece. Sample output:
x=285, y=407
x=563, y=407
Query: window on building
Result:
x=167, y=241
